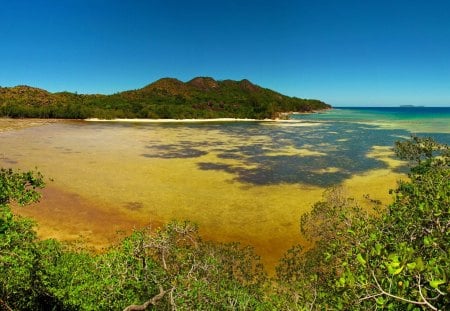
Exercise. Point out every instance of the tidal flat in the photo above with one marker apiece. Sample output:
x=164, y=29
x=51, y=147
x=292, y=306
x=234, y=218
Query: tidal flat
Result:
x=246, y=181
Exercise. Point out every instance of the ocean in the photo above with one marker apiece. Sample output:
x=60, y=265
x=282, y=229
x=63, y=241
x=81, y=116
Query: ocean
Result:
x=417, y=120
x=240, y=181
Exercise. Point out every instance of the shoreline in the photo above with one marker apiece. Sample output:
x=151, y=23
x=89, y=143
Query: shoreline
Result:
x=139, y=120
x=284, y=117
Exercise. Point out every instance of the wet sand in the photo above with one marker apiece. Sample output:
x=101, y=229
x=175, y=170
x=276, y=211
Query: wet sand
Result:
x=67, y=216
x=8, y=124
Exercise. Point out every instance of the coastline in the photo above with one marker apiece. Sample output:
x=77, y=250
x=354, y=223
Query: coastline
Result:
x=179, y=120
x=7, y=123
x=283, y=117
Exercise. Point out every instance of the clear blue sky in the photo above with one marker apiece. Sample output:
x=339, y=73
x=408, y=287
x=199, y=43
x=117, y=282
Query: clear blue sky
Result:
x=351, y=53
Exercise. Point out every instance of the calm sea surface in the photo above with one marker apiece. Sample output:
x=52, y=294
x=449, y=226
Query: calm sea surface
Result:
x=416, y=120
x=240, y=181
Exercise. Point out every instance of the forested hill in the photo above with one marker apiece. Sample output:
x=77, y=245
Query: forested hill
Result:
x=200, y=97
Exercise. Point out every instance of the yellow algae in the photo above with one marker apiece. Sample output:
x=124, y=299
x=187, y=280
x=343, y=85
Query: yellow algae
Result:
x=109, y=178
x=439, y=125
x=375, y=183
x=327, y=170
x=226, y=210
x=387, y=155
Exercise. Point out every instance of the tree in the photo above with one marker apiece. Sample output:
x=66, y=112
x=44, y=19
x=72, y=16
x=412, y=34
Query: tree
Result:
x=199, y=275
x=19, y=281
x=397, y=260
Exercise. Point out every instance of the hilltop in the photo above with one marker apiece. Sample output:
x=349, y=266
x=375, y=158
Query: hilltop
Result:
x=201, y=97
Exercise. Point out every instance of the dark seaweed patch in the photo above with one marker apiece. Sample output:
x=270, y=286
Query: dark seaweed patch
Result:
x=8, y=161
x=134, y=206
x=216, y=166
x=173, y=153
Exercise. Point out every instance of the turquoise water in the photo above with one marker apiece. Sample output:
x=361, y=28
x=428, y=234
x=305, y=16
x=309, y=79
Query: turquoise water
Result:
x=420, y=120
x=384, y=113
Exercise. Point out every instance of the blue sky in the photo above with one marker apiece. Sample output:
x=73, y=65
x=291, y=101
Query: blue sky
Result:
x=347, y=53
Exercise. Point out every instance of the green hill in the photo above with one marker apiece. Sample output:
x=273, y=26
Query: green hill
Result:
x=201, y=97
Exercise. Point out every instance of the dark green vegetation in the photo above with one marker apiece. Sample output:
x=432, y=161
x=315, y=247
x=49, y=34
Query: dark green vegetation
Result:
x=166, y=98
x=398, y=260
x=395, y=259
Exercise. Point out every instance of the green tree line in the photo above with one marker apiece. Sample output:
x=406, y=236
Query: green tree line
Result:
x=166, y=98
x=392, y=258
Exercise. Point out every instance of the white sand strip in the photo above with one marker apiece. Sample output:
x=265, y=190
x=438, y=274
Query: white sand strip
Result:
x=178, y=120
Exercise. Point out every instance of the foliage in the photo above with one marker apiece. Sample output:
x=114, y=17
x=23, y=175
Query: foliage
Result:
x=18, y=250
x=191, y=273
x=308, y=275
x=80, y=280
x=165, y=98
x=399, y=260
x=19, y=186
x=203, y=275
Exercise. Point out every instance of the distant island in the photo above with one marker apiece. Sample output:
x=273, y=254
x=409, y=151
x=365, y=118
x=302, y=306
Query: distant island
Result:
x=410, y=106
x=167, y=98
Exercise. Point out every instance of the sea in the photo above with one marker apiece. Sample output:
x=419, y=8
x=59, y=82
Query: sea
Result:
x=415, y=119
x=239, y=181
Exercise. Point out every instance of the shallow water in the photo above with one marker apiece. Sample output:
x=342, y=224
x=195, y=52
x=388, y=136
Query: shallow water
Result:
x=417, y=120
x=247, y=182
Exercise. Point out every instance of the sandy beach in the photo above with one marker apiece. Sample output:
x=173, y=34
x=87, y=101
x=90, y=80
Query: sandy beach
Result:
x=178, y=120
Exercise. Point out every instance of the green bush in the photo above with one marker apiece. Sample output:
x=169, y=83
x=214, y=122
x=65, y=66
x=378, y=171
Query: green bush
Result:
x=398, y=260
x=19, y=281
